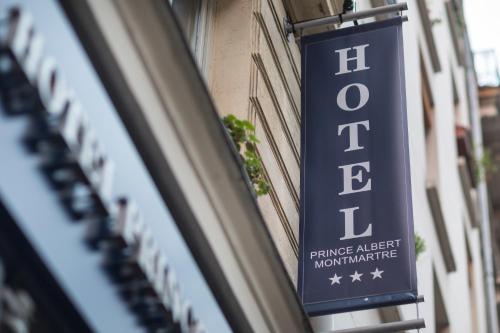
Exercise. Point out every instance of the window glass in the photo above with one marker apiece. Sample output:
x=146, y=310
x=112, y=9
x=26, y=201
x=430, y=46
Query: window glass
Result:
x=188, y=15
x=195, y=19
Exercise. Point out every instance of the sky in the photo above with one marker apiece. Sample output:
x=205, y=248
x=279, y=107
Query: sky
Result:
x=484, y=28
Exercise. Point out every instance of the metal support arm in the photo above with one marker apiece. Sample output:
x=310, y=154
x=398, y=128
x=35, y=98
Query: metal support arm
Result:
x=387, y=327
x=398, y=326
x=290, y=27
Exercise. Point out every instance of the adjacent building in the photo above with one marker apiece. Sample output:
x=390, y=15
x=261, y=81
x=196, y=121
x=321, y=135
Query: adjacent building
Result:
x=489, y=95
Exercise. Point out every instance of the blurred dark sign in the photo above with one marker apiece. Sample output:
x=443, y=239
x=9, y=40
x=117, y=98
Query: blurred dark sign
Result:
x=356, y=230
x=75, y=163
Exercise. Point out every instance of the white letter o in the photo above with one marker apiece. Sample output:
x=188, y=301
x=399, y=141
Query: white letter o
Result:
x=364, y=94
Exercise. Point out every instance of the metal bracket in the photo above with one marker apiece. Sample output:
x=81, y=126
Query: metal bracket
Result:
x=387, y=327
x=396, y=326
x=290, y=28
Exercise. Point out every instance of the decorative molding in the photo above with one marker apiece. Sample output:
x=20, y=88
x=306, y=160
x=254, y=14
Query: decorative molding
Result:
x=274, y=103
x=293, y=142
x=277, y=202
x=272, y=83
x=292, y=237
x=287, y=82
x=292, y=49
x=293, y=189
x=279, y=63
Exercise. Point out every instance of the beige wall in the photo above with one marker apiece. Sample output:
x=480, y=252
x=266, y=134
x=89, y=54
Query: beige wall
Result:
x=255, y=75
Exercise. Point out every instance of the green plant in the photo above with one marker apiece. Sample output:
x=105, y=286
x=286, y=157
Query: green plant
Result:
x=435, y=21
x=419, y=245
x=460, y=20
x=485, y=166
x=243, y=134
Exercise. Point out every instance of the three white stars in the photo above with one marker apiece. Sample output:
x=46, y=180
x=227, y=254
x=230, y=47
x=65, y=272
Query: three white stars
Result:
x=376, y=273
x=356, y=276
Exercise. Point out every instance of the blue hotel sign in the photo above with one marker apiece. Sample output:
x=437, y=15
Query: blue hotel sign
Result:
x=356, y=230
x=77, y=166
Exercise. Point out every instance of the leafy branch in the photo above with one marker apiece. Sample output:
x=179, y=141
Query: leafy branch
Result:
x=419, y=245
x=243, y=134
x=485, y=166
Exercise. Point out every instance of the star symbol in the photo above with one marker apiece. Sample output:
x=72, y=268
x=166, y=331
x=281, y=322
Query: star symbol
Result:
x=356, y=276
x=376, y=273
x=335, y=279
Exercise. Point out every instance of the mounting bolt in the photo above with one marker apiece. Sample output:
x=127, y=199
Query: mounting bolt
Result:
x=287, y=27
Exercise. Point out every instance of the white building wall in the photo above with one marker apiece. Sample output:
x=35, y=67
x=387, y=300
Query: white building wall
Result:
x=261, y=83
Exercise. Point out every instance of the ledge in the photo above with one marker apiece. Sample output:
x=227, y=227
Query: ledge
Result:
x=467, y=187
x=439, y=223
x=429, y=37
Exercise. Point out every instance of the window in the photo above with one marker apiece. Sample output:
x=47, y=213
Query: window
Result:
x=187, y=12
x=195, y=20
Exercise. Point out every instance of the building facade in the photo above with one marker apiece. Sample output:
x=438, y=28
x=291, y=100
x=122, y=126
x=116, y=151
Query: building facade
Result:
x=166, y=72
x=443, y=132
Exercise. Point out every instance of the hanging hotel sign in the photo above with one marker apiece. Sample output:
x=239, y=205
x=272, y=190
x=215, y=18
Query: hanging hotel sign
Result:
x=357, y=245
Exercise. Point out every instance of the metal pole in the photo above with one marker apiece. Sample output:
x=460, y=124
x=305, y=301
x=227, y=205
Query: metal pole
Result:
x=291, y=27
x=319, y=325
x=387, y=327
